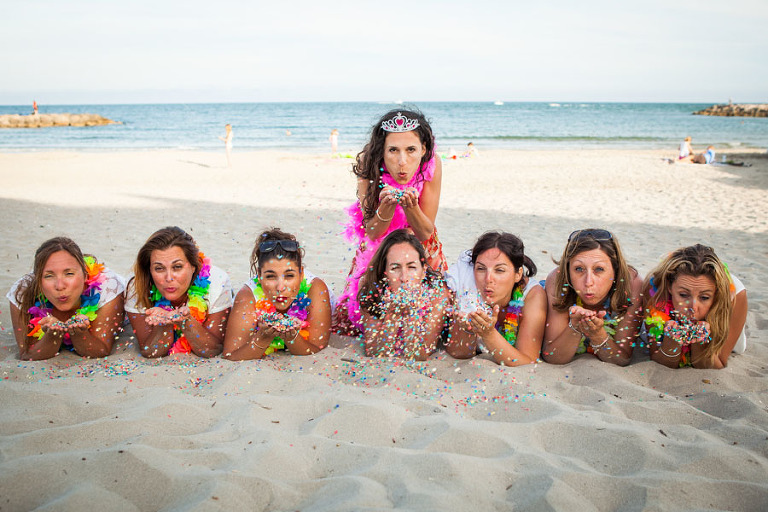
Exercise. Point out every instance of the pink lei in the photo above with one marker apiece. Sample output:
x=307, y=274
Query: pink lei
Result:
x=354, y=232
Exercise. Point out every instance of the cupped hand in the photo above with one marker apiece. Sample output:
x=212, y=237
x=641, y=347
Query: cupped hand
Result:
x=482, y=322
x=410, y=198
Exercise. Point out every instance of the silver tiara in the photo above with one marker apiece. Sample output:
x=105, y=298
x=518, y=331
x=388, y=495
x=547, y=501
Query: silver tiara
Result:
x=399, y=123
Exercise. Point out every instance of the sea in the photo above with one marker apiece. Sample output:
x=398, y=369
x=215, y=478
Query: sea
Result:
x=306, y=126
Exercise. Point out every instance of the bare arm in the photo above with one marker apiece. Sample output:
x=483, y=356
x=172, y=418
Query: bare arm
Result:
x=560, y=341
x=735, y=326
x=30, y=348
x=206, y=339
x=529, y=336
x=97, y=340
x=319, y=320
x=421, y=216
x=154, y=341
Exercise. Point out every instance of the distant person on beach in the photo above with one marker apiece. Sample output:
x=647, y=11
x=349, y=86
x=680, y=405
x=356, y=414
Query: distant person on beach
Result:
x=334, y=138
x=284, y=306
x=695, y=310
x=70, y=301
x=177, y=301
x=228, y=143
x=686, y=151
x=405, y=304
x=398, y=187
x=706, y=157
x=499, y=307
x=471, y=151
x=34, y=107
x=593, y=301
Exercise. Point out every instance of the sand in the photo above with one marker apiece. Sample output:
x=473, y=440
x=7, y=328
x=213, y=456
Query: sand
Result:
x=338, y=431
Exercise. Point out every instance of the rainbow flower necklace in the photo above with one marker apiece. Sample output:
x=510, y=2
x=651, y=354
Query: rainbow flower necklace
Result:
x=198, y=307
x=510, y=321
x=299, y=310
x=89, y=300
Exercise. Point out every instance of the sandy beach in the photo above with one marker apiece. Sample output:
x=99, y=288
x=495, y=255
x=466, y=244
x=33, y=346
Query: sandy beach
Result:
x=338, y=431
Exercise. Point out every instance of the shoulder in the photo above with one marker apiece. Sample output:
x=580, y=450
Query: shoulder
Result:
x=549, y=285
x=220, y=294
x=113, y=286
x=20, y=283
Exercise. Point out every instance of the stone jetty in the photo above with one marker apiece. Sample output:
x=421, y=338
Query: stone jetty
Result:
x=46, y=120
x=734, y=110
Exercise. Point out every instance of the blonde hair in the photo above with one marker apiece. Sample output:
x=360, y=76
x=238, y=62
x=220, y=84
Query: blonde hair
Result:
x=587, y=240
x=696, y=260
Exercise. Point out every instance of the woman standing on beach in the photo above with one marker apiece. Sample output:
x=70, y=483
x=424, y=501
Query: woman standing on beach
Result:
x=500, y=308
x=177, y=301
x=593, y=301
x=283, y=307
x=227, y=139
x=405, y=303
x=68, y=300
x=398, y=187
x=695, y=310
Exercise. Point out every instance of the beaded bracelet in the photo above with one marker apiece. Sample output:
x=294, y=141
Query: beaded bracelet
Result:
x=607, y=337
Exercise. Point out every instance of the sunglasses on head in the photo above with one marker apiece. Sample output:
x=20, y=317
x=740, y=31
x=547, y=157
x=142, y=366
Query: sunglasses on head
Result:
x=595, y=234
x=286, y=245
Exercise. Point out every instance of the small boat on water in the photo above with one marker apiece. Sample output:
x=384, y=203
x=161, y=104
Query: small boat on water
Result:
x=498, y=102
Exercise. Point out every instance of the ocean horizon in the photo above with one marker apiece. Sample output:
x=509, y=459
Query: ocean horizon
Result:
x=497, y=125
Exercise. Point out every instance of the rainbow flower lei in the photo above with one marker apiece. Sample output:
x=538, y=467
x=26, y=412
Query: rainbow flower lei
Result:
x=89, y=300
x=299, y=309
x=508, y=326
x=198, y=307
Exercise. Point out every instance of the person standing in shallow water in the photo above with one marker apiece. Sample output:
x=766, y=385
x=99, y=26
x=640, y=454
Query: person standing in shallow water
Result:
x=398, y=187
x=228, y=143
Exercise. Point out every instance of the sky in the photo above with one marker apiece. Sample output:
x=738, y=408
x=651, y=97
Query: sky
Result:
x=168, y=51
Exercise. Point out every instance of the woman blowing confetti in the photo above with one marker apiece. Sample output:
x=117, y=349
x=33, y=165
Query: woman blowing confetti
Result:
x=282, y=307
x=695, y=310
x=398, y=187
x=499, y=307
x=405, y=303
x=68, y=300
x=177, y=301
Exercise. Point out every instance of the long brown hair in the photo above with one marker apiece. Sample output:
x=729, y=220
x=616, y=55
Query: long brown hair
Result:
x=373, y=282
x=31, y=287
x=171, y=236
x=587, y=240
x=696, y=260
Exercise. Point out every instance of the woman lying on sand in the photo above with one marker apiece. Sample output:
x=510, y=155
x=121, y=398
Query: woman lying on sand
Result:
x=405, y=303
x=593, y=301
x=68, y=299
x=499, y=307
x=283, y=307
x=398, y=187
x=695, y=310
x=177, y=302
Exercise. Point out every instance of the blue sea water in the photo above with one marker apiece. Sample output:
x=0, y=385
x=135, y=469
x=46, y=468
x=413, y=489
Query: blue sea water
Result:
x=510, y=125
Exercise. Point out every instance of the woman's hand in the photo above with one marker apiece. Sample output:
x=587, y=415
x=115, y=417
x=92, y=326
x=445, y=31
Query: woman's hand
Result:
x=160, y=316
x=50, y=324
x=78, y=324
x=589, y=323
x=483, y=321
x=409, y=198
x=684, y=329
